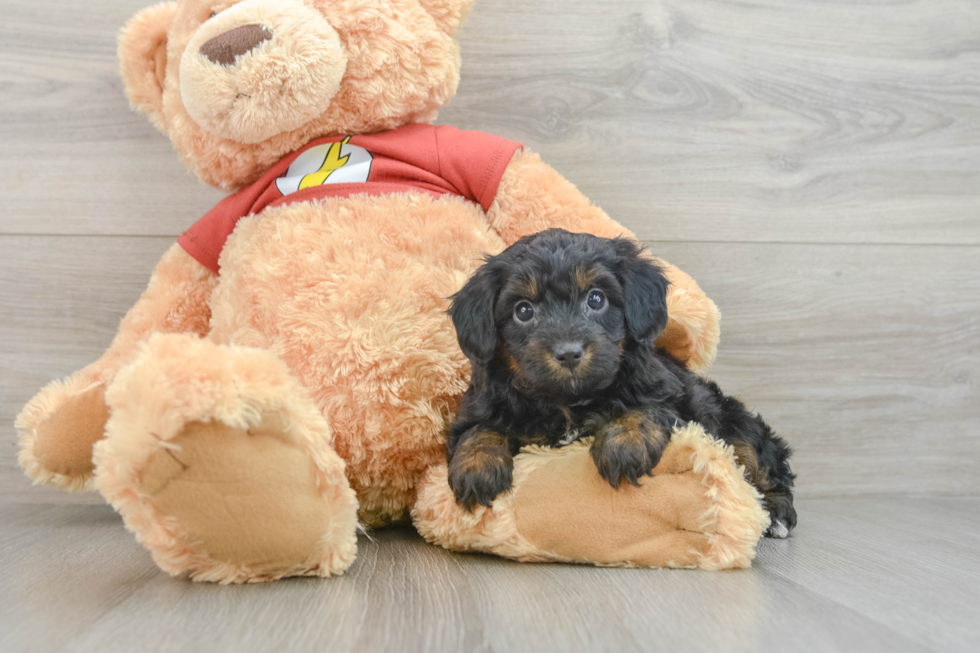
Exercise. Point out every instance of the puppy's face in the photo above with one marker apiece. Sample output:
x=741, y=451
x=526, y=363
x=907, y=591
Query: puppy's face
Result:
x=558, y=309
x=560, y=325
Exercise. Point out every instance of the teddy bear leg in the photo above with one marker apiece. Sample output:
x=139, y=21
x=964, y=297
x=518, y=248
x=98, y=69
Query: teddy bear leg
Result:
x=61, y=424
x=58, y=429
x=218, y=460
x=697, y=510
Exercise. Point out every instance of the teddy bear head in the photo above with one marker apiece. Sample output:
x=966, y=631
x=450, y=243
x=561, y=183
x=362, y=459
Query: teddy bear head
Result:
x=238, y=85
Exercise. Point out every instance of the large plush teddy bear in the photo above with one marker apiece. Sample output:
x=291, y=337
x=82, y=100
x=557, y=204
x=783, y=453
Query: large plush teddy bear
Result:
x=290, y=371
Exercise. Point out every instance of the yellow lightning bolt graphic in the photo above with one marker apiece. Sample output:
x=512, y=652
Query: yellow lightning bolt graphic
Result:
x=332, y=162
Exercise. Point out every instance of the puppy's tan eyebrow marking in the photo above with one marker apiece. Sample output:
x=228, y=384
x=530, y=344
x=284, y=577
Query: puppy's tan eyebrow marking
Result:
x=585, y=278
x=528, y=287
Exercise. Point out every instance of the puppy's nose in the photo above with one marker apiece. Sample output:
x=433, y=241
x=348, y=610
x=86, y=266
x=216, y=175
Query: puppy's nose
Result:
x=223, y=48
x=569, y=354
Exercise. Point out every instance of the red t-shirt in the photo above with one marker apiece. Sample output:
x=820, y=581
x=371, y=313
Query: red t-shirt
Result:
x=436, y=160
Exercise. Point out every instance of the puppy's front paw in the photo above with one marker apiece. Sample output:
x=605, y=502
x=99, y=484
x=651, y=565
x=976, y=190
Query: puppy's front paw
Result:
x=481, y=469
x=473, y=487
x=782, y=514
x=628, y=448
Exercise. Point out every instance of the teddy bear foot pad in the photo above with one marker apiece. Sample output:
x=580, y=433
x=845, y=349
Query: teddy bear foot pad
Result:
x=697, y=511
x=222, y=467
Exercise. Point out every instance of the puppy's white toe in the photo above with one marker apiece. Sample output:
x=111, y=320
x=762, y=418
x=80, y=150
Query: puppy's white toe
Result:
x=778, y=530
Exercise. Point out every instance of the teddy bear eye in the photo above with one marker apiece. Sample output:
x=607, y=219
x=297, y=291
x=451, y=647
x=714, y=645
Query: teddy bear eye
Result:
x=523, y=312
x=597, y=300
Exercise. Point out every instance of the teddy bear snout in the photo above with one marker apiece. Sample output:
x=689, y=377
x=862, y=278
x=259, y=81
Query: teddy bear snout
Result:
x=224, y=48
x=260, y=68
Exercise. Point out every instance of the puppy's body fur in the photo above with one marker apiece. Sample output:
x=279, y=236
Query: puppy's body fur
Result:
x=620, y=389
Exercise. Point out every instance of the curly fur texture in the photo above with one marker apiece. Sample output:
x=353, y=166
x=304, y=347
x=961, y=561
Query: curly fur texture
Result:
x=534, y=197
x=559, y=329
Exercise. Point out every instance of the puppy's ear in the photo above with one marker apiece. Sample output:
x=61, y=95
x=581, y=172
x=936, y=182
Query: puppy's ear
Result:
x=472, y=313
x=644, y=290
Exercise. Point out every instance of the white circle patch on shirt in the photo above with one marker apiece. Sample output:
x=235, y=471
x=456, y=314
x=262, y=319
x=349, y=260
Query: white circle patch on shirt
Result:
x=329, y=163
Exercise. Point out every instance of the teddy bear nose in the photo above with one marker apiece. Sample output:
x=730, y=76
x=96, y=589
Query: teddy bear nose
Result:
x=223, y=48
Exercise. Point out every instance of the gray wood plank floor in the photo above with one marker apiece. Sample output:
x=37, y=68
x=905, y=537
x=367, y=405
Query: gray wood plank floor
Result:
x=859, y=574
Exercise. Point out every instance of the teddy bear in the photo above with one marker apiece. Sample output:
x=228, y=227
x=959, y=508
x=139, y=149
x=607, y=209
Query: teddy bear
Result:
x=288, y=375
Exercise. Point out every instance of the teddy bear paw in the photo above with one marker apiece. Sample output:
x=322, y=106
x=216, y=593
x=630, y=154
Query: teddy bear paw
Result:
x=58, y=429
x=245, y=504
x=219, y=462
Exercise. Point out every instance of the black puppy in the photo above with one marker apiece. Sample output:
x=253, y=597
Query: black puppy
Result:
x=559, y=330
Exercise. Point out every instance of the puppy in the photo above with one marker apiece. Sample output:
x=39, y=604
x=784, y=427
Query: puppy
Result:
x=559, y=330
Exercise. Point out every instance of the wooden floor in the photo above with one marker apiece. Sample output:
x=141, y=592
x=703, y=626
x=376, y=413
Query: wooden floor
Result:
x=814, y=165
x=859, y=574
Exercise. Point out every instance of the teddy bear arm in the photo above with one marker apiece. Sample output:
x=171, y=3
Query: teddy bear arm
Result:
x=533, y=197
x=60, y=425
x=694, y=327
x=176, y=300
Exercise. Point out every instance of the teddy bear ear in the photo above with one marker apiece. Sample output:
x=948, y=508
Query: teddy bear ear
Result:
x=449, y=14
x=143, y=59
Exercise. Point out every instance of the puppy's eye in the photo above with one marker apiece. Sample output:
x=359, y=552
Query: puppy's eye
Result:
x=523, y=312
x=597, y=300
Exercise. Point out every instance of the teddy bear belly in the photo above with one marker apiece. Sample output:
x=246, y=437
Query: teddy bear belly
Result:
x=352, y=294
